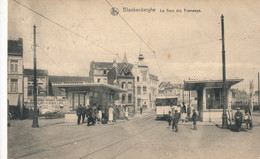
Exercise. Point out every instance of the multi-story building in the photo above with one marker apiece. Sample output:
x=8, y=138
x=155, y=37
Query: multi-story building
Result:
x=146, y=85
x=129, y=76
x=122, y=77
x=42, y=83
x=15, y=77
x=153, y=89
x=188, y=97
x=98, y=71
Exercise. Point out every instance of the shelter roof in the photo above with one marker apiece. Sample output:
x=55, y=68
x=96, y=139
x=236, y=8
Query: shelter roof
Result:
x=195, y=85
x=88, y=86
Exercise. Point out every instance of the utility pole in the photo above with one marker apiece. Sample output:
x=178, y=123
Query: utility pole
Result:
x=35, y=115
x=224, y=115
x=258, y=93
x=183, y=93
x=189, y=96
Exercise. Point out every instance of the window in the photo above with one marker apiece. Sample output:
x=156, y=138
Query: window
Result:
x=14, y=66
x=123, y=98
x=214, y=98
x=98, y=80
x=14, y=85
x=129, y=85
x=123, y=85
x=137, y=78
x=144, y=90
x=138, y=102
x=129, y=98
x=105, y=80
x=30, y=90
x=104, y=72
x=138, y=90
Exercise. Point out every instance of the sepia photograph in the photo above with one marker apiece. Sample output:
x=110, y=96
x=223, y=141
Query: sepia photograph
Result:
x=130, y=79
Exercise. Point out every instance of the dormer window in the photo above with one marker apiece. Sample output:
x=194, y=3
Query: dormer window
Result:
x=104, y=72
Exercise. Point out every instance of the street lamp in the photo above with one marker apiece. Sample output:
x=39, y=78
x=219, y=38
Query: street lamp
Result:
x=224, y=115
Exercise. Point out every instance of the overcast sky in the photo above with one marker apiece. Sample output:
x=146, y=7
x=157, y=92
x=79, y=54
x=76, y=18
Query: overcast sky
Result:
x=186, y=44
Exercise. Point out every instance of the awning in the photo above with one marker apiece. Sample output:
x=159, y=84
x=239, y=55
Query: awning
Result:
x=13, y=99
x=195, y=85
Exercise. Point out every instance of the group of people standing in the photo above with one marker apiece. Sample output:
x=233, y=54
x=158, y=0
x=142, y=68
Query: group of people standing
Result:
x=95, y=115
x=88, y=113
x=117, y=112
x=174, y=118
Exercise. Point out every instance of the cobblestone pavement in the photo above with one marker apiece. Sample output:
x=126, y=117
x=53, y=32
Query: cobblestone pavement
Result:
x=139, y=137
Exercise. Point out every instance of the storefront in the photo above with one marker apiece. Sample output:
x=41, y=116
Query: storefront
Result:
x=210, y=97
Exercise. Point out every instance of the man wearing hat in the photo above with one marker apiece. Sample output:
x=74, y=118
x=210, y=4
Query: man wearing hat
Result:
x=175, y=120
x=238, y=119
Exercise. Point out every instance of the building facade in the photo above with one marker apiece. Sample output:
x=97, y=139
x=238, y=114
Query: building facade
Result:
x=146, y=85
x=153, y=92
x=15, y=76
x=169, y=89
x=122, y=77
x=239, y=97
x=98, y=71
x=42, y=81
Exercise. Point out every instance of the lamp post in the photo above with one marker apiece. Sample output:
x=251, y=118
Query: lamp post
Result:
x=224, y=115
x=35, y=114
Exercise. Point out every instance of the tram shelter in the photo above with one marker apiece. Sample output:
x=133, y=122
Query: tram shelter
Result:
x=210, y=97
x=102, y=95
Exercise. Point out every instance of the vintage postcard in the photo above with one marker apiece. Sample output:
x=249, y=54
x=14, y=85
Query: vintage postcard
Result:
x=132, y=79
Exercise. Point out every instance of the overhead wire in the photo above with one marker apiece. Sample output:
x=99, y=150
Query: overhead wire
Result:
x=139, y=38
x=67, y=29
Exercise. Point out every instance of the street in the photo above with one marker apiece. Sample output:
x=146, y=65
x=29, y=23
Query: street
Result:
x=139, y=137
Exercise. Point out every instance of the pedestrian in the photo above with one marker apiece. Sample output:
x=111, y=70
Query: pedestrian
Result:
x=88, y=115
x=248, y=120
x=141, y=110
x=184, y=107
x=188, y=111
x=100, y=115
x=78, y=111
x=110, y=114
x=175, y=120
x=126, y=113
x=194, y=119
x=93, y=115
x=83, y=113
x=169, y=119
x=238, y=119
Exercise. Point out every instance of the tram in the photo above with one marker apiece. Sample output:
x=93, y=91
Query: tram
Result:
x=164, y=104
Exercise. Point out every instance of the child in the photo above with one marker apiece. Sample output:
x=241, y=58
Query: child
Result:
x=169, y=118
x=194, y=119
x=248, y=121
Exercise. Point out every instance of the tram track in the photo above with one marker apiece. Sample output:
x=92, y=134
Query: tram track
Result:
x=78, y=135
x=117, y=142
x=79, y=139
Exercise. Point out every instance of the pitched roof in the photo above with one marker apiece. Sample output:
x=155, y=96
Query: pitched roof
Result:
x=15, y=47
x=102, y=65
x=154, y=77
x=108, y=65
x=28, y=72
x=68, y=79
